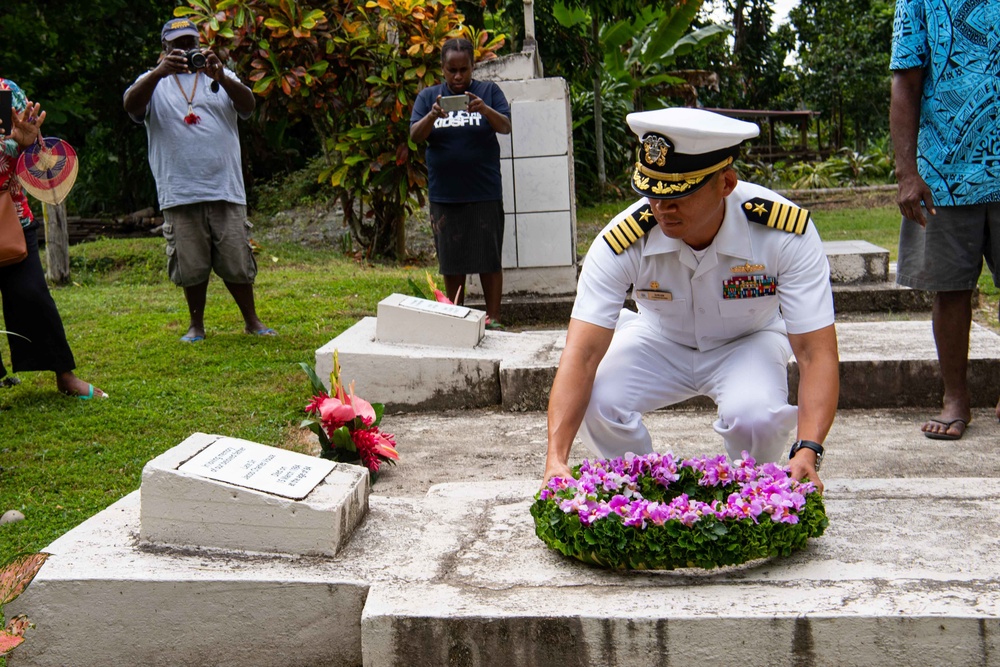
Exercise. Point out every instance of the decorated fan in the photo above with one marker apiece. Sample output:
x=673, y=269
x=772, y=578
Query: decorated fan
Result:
x=47, y=170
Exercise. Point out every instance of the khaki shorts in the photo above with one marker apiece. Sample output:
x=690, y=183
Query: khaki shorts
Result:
x=208, y=236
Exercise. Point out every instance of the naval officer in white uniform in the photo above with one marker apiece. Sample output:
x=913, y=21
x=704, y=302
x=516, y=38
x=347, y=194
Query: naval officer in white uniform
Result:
x=730, y=279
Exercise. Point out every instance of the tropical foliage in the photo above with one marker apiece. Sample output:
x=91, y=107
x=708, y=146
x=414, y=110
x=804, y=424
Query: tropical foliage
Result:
x=353, y=69
x=324, y=70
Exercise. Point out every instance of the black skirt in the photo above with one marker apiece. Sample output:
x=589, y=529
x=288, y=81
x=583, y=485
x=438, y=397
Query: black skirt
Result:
x=468, y=237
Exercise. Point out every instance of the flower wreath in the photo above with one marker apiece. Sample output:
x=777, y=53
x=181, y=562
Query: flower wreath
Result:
x=656, y=512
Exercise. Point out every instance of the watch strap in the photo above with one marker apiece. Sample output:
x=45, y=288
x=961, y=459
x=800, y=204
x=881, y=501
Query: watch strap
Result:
x=808, y=444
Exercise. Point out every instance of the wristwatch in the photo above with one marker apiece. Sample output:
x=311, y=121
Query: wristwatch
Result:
x=808, y=444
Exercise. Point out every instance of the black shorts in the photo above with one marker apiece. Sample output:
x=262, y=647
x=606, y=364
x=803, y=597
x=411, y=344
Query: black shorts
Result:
x=468, y=237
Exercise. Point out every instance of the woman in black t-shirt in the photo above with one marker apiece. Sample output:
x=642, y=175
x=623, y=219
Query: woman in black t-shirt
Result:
x=463, y=169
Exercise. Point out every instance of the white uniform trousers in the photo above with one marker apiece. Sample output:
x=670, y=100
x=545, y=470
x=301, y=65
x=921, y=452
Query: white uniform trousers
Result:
x=642, y=371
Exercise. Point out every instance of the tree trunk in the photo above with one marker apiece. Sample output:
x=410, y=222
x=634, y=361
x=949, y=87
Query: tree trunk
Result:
x=400, y=233
x=56, y=243
x=602, y=177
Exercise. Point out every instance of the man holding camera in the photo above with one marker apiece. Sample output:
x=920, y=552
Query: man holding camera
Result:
x=190, y=104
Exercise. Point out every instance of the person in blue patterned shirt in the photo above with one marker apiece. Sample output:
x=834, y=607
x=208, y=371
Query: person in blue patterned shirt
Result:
x=946, y=135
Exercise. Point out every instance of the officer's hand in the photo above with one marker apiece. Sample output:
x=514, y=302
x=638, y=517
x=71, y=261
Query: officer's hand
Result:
x=803, y=466
x=913, y=192
x=555, y=469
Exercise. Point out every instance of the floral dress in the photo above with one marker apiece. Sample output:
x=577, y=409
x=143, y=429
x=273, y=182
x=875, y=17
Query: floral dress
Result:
x=8, y=160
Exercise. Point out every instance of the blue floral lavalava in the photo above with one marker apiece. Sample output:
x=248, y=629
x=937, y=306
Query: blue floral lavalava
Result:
x=656, y=512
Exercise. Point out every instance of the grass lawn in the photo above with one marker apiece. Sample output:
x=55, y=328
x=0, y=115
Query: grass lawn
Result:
x=62, y=460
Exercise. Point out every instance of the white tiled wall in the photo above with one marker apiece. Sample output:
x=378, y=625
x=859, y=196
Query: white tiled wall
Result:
x=544, y=239
x=508, y=259
x=541, y=128
x=536, y=163
x=507, y=177
x=541, y=184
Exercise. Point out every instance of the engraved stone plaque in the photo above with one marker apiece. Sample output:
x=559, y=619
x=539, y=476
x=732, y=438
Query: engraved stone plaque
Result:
x=428, y=306
x=259, y=467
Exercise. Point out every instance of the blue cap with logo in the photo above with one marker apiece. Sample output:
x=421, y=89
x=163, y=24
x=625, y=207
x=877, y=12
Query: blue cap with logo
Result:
x=175, y=28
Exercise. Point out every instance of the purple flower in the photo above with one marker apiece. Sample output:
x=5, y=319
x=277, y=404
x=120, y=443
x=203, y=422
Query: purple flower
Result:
x=591, y=511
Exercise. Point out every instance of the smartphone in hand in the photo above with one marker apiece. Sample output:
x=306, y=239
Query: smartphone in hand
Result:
x=454, y=102
x=6, y=104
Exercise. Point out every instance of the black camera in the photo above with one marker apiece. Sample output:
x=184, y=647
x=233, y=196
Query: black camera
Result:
x=195, y=59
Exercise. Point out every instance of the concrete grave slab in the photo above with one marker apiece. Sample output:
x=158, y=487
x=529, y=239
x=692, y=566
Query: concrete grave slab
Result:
x=103, y=598
x=904, y=575
x=182, y=508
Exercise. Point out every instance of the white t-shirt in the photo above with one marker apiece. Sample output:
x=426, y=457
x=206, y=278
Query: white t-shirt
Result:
x=193, y=163
x=750, y=278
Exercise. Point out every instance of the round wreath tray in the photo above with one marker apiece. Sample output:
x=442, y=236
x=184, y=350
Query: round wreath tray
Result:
x=658, y=512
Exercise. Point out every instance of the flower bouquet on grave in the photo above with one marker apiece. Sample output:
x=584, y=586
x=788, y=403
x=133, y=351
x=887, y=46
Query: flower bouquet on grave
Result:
x=439, y=296
x=348, y=426
x=655, y=512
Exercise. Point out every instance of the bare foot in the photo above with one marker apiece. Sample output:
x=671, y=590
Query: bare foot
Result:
x=71, y=385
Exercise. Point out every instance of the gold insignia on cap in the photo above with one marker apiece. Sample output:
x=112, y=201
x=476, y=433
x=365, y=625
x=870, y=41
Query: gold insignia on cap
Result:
x=628, y=231
x=657, y=149
x=786, y=217
x=180, y=23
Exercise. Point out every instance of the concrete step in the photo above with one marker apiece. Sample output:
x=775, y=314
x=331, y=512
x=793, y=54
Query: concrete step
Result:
x=883, y=364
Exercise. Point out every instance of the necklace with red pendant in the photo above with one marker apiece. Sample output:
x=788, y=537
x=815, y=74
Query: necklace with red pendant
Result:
x=191, y=118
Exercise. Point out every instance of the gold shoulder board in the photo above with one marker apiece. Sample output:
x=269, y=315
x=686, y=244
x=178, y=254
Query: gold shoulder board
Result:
x=628, y=231
x=785, y=217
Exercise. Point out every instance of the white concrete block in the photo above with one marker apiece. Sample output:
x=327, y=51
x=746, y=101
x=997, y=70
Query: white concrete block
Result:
x=508, y=257
x=545, y=280
x=542, y=184
x=540, y=128
x=414, y=376
x=511, y=66
x=549, y=88
x=544, y=239
x=103, y=599
x=856, y=262
x=183, y=509
x=413, y=321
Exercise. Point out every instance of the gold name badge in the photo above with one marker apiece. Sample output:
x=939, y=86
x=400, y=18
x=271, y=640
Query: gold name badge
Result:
x=654, y=295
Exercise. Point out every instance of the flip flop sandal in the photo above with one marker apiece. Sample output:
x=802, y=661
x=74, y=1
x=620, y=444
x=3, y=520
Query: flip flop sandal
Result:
x=947, y=425
x=90, y=394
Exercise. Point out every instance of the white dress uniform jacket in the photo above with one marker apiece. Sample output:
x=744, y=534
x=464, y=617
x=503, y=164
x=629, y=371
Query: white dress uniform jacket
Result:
x=750, y=279
x=686, y=299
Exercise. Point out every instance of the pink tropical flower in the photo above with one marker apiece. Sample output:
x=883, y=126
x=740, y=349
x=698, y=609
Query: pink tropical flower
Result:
x=347, y=425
